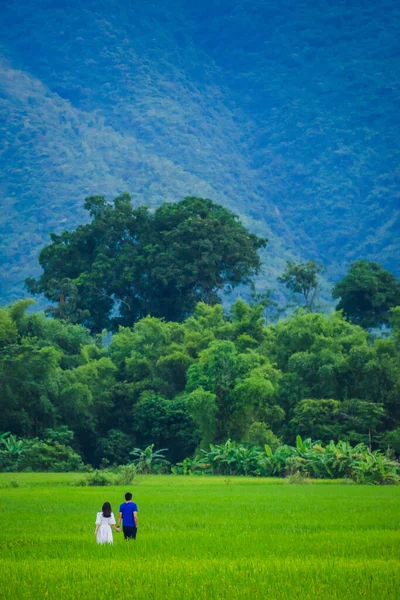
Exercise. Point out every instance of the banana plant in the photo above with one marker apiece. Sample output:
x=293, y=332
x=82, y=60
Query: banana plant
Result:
x=147, y=461
x=3, y=436
x=12, y=446
x=307, y=457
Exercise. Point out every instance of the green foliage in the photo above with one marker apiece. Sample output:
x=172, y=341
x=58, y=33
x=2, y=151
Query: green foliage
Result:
x=203, y=408
x=303, y=279
x=31, y=370
x=50, y=456
x=96, y=478
x=259, y=434
x=367, y=294
x=297, y=479
x=306, y=459
x=391, y=440
x=122, y=475
x=318, y=418
x=38, y=455
x=61, y=434
x=114, y=447
x=148, y=461
x=394, y=318
x=167, y=423
x=243, y=384
x=8, y=328
x=362, y=420
x=325, y=357
x=12, y=450
x=139, y=263
x=232, y=458
x=184, y=386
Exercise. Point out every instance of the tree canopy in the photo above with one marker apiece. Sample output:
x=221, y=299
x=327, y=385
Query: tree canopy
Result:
x=302, y=279
x=367, y=293
x=184, y=385
x=130, y=262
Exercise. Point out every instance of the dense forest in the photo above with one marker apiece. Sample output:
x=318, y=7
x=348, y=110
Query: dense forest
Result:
x=183, y=380
x=283, y=112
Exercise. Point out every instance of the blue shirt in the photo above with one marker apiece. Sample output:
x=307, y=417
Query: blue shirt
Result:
x=127, y=509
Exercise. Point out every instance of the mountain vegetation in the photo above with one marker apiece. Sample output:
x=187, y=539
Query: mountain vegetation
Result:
x=283, y=112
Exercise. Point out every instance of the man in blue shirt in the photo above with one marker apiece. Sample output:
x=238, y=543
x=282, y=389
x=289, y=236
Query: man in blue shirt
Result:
x=128, y=514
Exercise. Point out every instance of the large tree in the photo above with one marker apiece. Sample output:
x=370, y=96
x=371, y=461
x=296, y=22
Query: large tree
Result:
x=128, y=263
x=302, y=279
x=367, y=293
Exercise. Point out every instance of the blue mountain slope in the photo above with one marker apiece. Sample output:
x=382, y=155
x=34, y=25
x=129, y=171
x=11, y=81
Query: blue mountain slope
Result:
x=286, y=112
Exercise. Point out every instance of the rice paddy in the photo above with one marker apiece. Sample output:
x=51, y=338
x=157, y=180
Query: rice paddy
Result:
x=200, y=538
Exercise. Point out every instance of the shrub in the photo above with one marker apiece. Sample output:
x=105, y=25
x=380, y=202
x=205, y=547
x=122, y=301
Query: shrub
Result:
x=96, y=478
x=259, y=434
x=297, y=478
x=39, y=455
x=122, y=475
x=50, y=456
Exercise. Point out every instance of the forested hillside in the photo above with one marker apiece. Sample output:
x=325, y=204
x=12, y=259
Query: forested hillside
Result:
x=284, y=112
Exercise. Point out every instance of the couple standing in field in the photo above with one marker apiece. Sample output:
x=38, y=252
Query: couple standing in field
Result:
x=105, y=521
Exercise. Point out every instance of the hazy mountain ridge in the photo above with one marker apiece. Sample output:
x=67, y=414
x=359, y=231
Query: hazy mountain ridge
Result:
x=285, y=114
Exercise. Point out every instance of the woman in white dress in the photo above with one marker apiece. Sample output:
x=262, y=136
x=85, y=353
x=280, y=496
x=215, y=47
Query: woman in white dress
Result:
x=105, y=521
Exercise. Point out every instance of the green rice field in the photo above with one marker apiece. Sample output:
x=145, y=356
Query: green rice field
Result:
x=200, y=538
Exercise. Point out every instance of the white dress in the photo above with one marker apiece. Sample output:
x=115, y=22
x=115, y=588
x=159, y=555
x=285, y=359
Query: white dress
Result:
x=104, y=532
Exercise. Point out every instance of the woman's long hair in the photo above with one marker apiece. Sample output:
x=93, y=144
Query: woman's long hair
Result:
x=106, y=510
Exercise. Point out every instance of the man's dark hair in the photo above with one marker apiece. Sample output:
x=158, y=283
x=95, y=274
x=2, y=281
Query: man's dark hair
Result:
x=128, y=496
x=106, y=510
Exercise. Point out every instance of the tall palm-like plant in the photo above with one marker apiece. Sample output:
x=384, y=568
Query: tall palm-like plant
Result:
x=11, y=451
x=12, y=447
x=147, y=461
x=310, y=459
x=275, y=461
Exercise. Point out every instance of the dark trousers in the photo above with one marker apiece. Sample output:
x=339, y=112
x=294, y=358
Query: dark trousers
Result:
x=129, y=532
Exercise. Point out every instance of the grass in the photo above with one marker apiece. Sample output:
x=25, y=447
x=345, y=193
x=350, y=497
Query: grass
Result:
x=204, y=538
